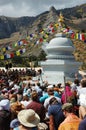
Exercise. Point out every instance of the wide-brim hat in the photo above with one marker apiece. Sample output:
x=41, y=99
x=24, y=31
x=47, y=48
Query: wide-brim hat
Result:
x=28, y=118
x=82, y=73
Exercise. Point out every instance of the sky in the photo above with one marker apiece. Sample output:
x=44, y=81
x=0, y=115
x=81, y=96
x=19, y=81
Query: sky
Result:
x=18, y=8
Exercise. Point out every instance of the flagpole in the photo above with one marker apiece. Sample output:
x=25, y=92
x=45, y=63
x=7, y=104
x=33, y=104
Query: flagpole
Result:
x=65, y=89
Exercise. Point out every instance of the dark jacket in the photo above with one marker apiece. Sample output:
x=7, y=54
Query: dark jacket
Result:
x=5, y=118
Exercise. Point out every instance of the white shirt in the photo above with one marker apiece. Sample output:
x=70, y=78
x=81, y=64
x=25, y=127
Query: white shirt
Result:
x=46, y=102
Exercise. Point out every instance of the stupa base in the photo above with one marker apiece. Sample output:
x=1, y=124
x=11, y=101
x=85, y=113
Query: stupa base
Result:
x=53, y=77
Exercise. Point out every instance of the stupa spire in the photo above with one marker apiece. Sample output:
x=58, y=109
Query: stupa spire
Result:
x=60, y=22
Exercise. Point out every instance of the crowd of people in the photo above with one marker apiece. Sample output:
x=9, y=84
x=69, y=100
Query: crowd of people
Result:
x=25, y=104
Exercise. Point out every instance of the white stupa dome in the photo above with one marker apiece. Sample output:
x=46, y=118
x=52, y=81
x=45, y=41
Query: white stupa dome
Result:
x=60, y=43
x=60, y=40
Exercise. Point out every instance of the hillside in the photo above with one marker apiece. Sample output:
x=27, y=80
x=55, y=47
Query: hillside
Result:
x=15, y=29
x=9, y=25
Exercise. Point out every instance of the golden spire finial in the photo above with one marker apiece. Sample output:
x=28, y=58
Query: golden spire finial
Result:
x=60, y=21
x=61, y=18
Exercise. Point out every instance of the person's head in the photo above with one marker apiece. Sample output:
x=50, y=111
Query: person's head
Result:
x=38, y=84
x=77, y=82
x=28, y=118
x=25, y=98
x=67, y=108
x=5, y=94
x=20, y=91
x=20, y=94
x=16, y=108
x=59, y=85
x=53, y=101
x=83, y=82
x=67, y=84
x=34, y=96
x=50, y=90
x=5, y=104
x=13, y=98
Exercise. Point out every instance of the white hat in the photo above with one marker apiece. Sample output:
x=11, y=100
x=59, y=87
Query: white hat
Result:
x=50, y=86
x=28, y=118
x=82, y=73
x=5, y=104
x=42, y=126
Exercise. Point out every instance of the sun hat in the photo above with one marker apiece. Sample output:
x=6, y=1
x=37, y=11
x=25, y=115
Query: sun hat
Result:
x=50, y=86
x=28, y=118
x=5, y=104
x=66, y=106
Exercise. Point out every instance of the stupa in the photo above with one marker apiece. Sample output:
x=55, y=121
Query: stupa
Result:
x=60, y=64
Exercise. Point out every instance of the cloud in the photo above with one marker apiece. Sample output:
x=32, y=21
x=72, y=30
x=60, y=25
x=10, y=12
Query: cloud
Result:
x=18, y=8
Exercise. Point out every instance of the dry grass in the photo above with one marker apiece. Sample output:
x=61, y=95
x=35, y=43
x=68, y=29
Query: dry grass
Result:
x=14, y=37
x=80, y=52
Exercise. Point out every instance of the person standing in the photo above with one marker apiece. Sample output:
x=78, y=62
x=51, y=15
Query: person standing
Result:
x=28, y=119
x=55, y=114
x=82, y=98
x=5, y=114
x=71, y=121
x=36, y=106
x=82, y=125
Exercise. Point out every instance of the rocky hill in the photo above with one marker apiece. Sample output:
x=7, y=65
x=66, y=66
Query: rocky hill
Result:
x=10, y=25
x=73, y=16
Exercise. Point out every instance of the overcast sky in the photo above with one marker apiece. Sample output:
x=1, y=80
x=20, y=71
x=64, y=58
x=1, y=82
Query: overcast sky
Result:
x=18, y=8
